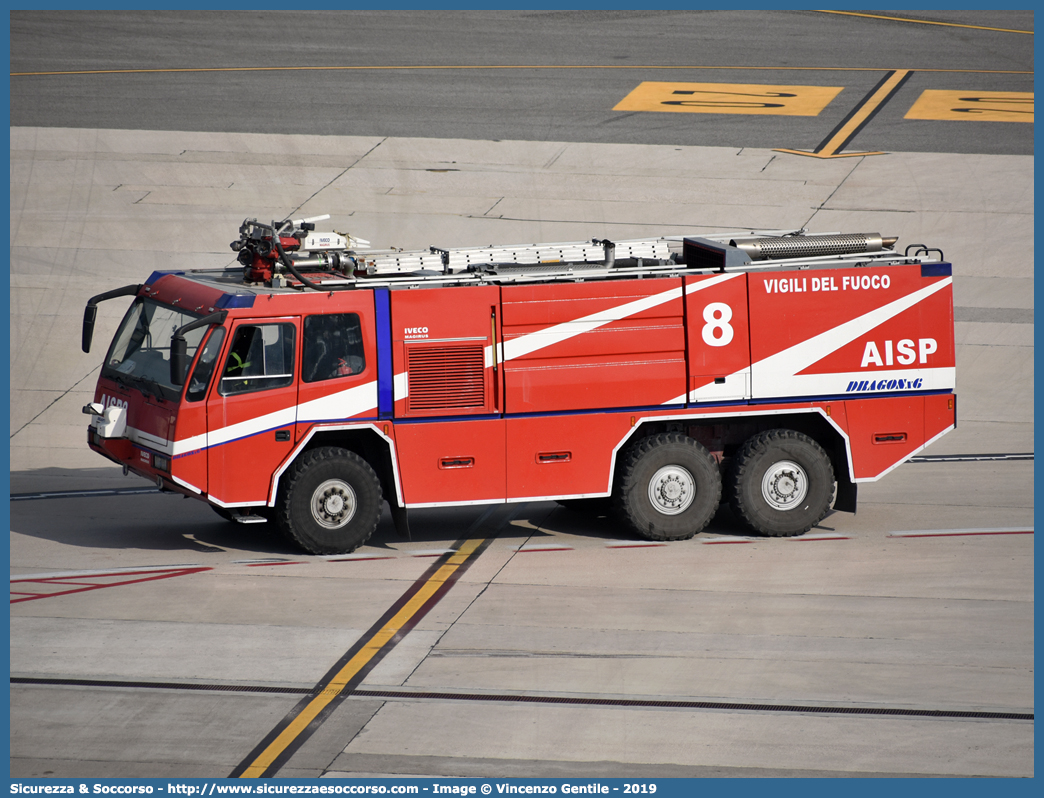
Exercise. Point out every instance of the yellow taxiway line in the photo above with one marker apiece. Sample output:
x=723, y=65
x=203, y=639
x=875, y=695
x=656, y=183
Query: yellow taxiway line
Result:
x=923, y=21
x=336, y=685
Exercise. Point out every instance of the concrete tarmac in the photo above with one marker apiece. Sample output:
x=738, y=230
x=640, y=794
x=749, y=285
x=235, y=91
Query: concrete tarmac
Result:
x=832, y=651
x=558, y=654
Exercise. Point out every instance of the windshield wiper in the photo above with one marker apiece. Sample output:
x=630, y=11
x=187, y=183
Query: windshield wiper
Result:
x=155, y=388
x=146, y=385
x=116, y=376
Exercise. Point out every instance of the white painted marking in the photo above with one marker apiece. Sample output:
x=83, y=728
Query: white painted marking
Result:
x=728, y=539
x=541, y=547
x=923, y=533
x=428, y=552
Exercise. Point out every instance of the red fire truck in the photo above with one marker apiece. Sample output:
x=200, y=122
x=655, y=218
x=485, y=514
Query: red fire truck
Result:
x=658, y=377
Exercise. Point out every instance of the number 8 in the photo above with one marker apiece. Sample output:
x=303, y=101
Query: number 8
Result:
x=717, y=315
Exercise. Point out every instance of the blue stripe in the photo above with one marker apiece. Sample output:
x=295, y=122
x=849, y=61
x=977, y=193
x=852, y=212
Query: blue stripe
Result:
x=319, y=423
x=385, y=377
x=689, y=411
x=235, y=301
x=936, y=270
x=210, y=446
x=840, y=397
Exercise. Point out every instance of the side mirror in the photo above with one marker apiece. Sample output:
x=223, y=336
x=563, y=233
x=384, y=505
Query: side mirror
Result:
x=179, y=346
x=178, y=359
x=90, y=314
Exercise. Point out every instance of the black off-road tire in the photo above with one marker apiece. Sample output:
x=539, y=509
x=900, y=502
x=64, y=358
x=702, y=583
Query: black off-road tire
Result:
x=670, y=487
x=781, y=483
x=330, y=501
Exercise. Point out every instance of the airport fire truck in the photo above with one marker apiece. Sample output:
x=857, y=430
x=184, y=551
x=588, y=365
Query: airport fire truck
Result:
x=656, y=378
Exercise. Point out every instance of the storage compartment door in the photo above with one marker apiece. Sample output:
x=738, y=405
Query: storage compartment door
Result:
x=443, y=354
x=718, y=337
x=593, y=345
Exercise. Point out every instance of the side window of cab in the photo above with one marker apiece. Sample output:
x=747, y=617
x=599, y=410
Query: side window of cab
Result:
x=261, y=356
x=205, y=366
x=333, y=347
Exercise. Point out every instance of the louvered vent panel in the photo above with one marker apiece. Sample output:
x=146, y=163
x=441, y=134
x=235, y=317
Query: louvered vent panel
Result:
x=446, y=377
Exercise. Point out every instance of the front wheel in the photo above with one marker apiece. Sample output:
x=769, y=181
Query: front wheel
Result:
x=781, y=483
x=330, y=502
x=670, y=487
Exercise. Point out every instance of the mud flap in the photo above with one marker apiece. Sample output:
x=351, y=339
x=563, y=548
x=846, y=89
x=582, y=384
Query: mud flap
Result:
x=402, y=525
x=845, y=501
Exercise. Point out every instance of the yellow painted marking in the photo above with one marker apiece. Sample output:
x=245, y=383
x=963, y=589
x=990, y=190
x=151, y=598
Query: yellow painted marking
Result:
x=462, y=67
x=845, y=132
x=830, y=155
x=981, y=106
x=356, y=663
x=728, y=98
x=868, y=108
x=923, y=22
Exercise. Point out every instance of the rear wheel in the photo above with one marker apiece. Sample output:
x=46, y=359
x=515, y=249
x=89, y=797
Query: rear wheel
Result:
x=781, y=483
x=330, y=502
x=670, y=487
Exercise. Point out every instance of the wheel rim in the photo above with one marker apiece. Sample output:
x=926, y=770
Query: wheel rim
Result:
x=784, y=485
x=333, y=504
x=671, y=490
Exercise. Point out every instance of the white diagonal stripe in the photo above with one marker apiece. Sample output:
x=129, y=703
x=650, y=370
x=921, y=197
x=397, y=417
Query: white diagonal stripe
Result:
x=401, y=386
x=800, y=356
x=557, y=333
x=341, y=405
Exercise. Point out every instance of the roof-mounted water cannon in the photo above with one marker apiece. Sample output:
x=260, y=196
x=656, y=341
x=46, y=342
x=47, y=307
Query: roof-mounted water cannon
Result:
x=294, y=244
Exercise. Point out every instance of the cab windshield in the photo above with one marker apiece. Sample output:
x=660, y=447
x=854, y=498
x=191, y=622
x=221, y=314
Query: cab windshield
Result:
x=140, y=352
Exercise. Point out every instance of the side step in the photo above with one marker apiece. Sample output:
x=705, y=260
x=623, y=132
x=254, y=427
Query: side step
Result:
x=249, y=519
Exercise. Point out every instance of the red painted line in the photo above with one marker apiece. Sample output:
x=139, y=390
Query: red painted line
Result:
x=169, y=572
x=634, y=545
x=152, y=576
x=266, y=564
